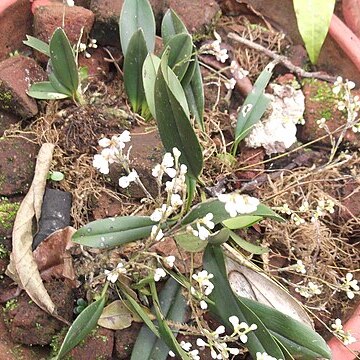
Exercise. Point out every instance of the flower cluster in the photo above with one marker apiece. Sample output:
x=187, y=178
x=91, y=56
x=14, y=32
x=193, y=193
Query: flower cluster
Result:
x=214, y=48
x=299, y=267
x=237, y=204
x=202, y=227
x=193, y=354
x=341, y=334
x=349, y=285
x=218, y=344
x=203, y=287
x=264, y=356
x=91, y=44
x=309, y=290
x=323, y=207
x=112, y=275
x=175, y=189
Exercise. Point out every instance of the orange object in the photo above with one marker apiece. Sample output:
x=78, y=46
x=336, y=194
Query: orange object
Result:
x=341, y=352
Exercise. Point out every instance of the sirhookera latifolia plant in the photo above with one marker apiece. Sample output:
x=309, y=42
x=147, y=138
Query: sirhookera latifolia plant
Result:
x=169, y=89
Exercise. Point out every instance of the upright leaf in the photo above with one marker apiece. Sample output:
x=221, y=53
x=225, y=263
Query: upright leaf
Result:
x=226, y=304
x=173, y=121
x=313, y=19
x=194, y=92
x=82, y=326
x=254, y=107
x=63, y=61
x=135, y=15
x=171, y=25
x=180, y=54
x=149, y=71
x=173, y=306
x=112, y=232
x=133, y=64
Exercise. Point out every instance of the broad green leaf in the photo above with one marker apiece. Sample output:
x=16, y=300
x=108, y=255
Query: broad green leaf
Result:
x=116, y=316
x=241, y=221
x=57, y=176
x=181, y=48
x=171, y=25
x=37, y=44
x=217, y=208
x=226, y=304
x=82, y=326
x=194, y=92
x=313, y=19
x=251, y=248
x=58, y=86
x=133, y=64
x=173, y=306
x=190, y=242
x=253, y=107
x=190, y=70
x=63, y=61
x=149, y=71
x=165, y=332
x=45, y=91
x=112, y=232
x=135, y=15
x=300, y=340
x=173, y=122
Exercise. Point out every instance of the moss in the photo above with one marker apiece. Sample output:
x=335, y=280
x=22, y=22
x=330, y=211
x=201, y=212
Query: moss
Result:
x=5, y=99
x=10, y=305
x=3, y=252
x=326, y=114
x=17, y=351
x=8, y=212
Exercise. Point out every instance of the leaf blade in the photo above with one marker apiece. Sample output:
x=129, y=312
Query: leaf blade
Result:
x=44, y=90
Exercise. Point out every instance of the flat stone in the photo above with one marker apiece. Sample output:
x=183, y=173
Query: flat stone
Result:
x=196, y=15
x=48, y=18
x=30, y=325
x=6, y=120
x=107, y=13
x=98, y=344
x=16, y=75
x=17, y=165
x=15, y=24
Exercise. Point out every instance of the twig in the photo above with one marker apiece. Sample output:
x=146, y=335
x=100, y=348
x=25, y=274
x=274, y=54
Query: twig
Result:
x=281, y=59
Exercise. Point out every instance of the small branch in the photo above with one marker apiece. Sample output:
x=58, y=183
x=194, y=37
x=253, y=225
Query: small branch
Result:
x=282, y=59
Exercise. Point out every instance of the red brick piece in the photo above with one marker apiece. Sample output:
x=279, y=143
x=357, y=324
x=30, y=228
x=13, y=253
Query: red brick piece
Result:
x=196, y=15
x=107, y=13
x=48, y=18
x=16, y=75
x=15, y=23
x=7, y=119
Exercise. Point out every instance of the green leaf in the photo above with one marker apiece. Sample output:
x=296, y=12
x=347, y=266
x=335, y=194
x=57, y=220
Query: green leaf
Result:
x=149, y=71
x=300, y=340
x=112, y=232
x=133, y=64
x=241, y=221
x=171, y=25
x=190, y=242
x=251, y=248
x=173, y=306
x=180, y=54
x=194, y=92
x=137, y=309
x=63, y=61
x=116, y=316
x=173, y=121
x=219, y=237
x=37, y=44
x=166, y=333
x=313, y=19
x=82, y=326
x=135, y=15
x=44, y=90
x=58, y=86
x=56, y=176
x=226, y=304
x=254, y=107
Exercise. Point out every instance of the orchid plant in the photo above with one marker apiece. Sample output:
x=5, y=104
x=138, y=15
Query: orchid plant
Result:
x=170, y=89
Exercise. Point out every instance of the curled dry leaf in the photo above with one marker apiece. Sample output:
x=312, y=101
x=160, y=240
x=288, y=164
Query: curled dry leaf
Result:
x=22, y=268
x=53, y=256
